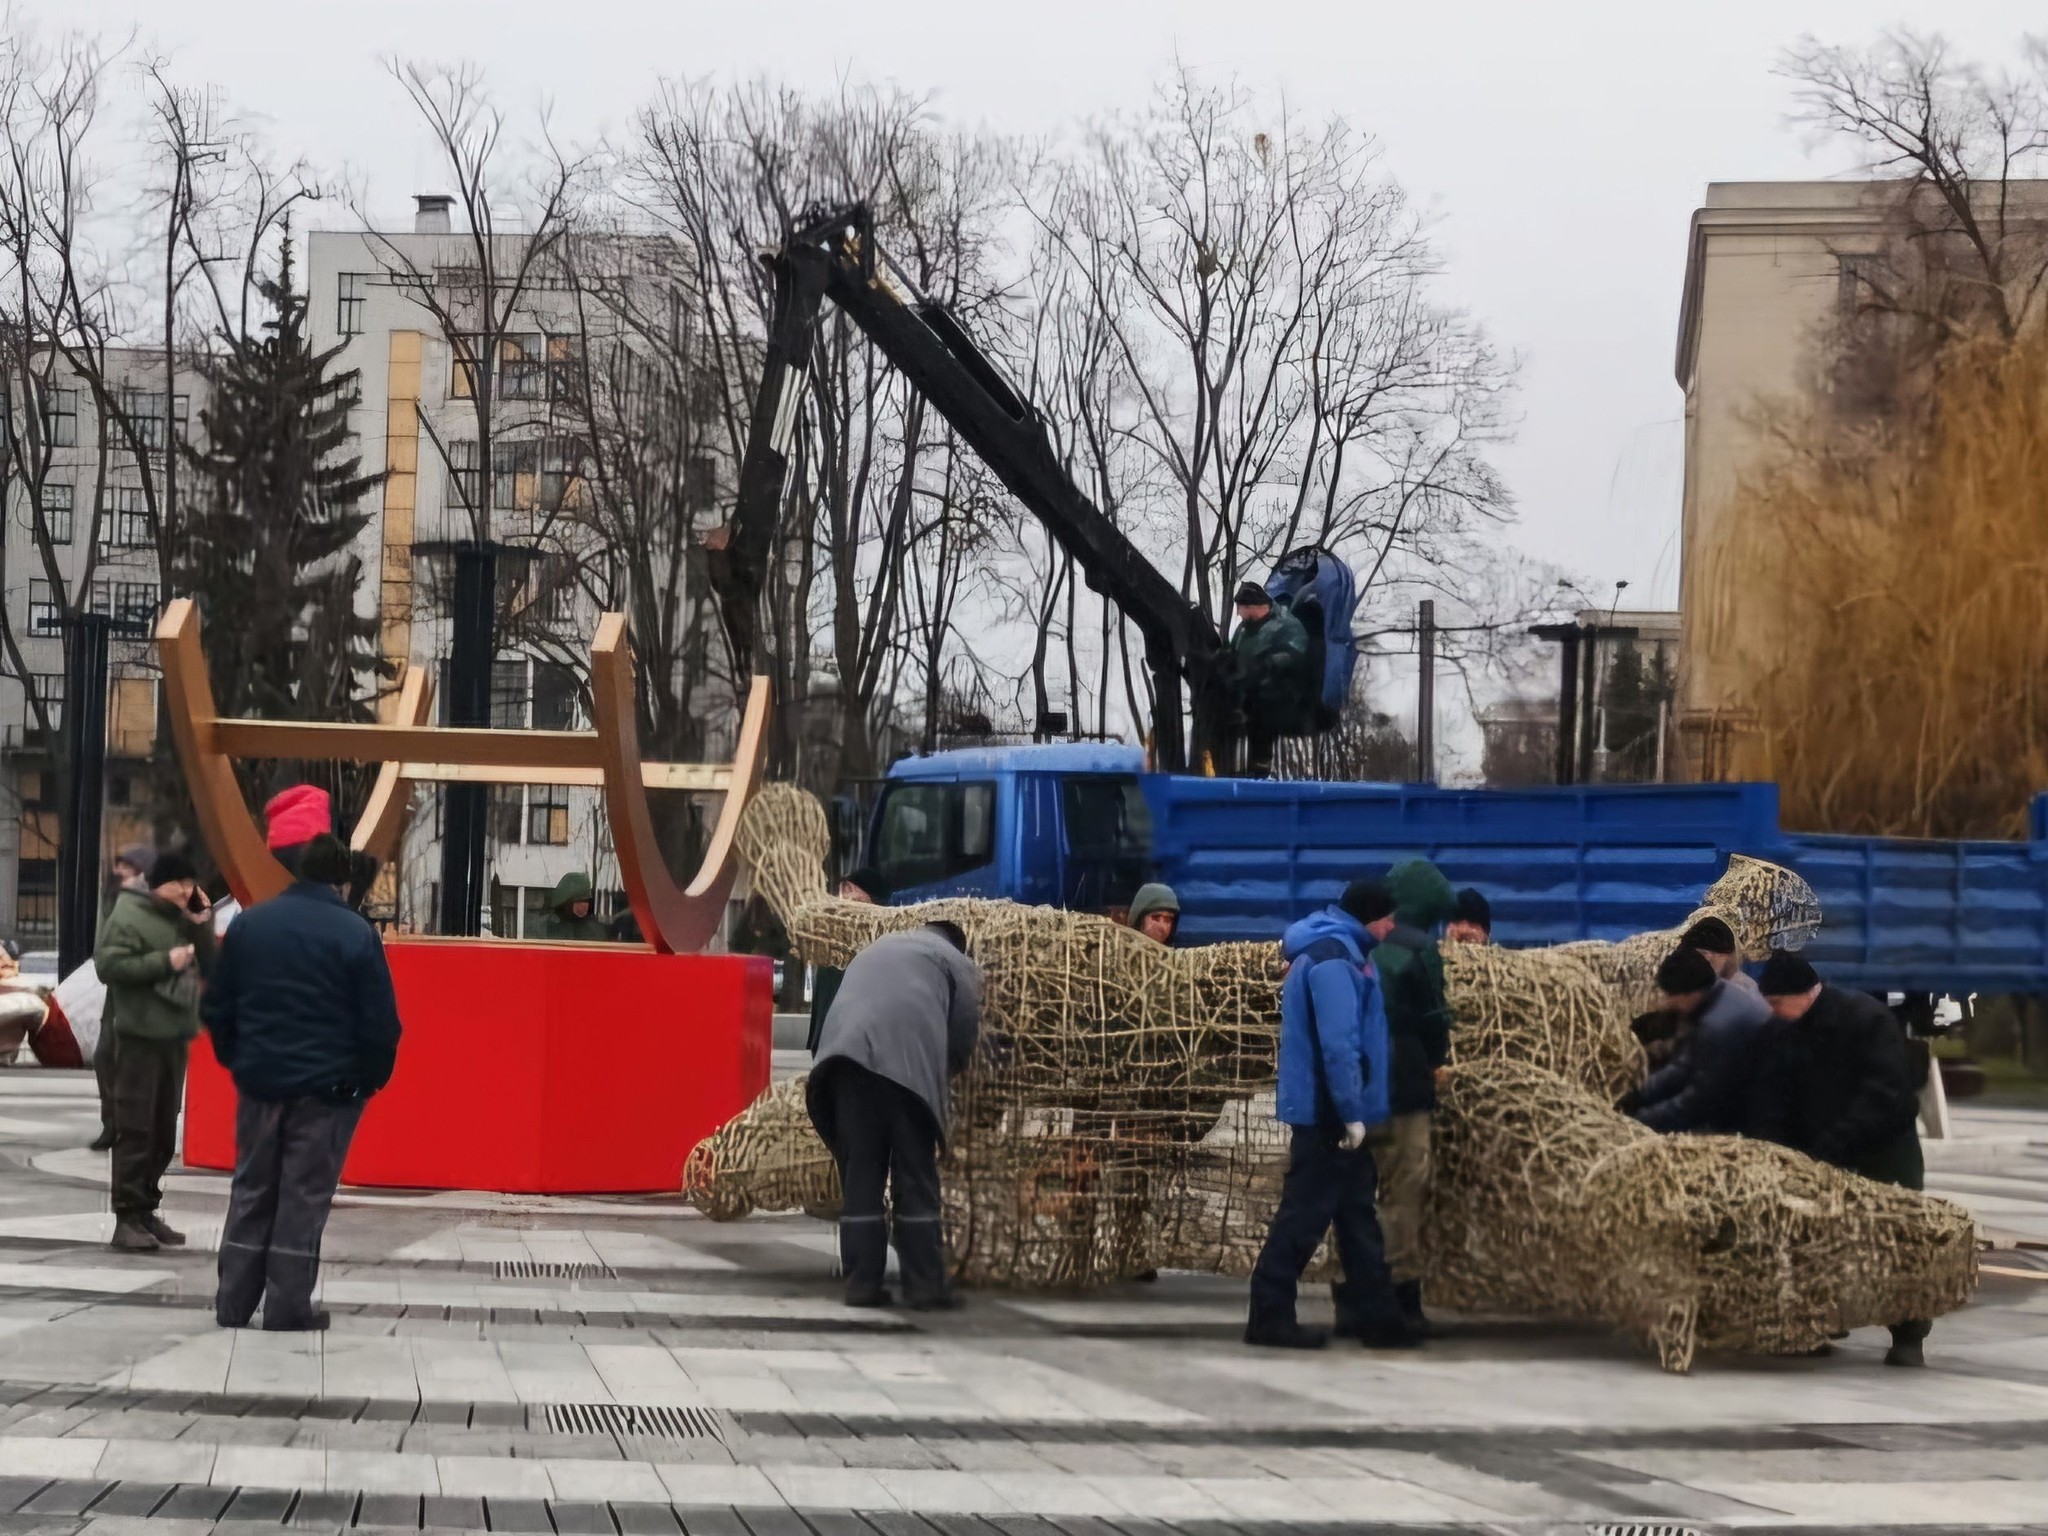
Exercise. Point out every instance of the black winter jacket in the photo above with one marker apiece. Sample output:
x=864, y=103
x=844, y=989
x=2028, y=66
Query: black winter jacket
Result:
x=300, y=1003
x=1836, y=1086
x=1705, y=1087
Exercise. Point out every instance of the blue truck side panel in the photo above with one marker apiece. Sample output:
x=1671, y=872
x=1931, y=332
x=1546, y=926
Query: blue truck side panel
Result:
x=1598, y=862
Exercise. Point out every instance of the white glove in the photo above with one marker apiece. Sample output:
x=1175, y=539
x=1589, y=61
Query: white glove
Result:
x=1354, y=1135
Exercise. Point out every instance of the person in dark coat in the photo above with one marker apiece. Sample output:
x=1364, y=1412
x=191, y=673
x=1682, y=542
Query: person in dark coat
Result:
x=1472, y=920
x=1332, y=1090
x=902, y=1026
x=131, y=867
x=1411, y=972
x=303, y=1016
x=1271, y=650
x=1834, y=1083
x=862, y=885
x=572, y=912
x=1716, y=940
x=1155, y=912
x=1705, y=1087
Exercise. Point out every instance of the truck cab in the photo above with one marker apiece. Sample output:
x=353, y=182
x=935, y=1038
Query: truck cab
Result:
x=1063, y=825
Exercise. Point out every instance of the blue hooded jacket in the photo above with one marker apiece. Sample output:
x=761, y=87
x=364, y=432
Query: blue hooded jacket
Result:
x=1331, y=996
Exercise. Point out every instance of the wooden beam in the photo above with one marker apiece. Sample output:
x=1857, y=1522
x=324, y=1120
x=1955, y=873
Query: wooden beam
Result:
x=406, y=743
x=702, y=778
x=383, y=819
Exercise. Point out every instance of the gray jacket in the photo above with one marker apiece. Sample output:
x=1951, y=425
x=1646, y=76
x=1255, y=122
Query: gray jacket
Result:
x=909, y=1009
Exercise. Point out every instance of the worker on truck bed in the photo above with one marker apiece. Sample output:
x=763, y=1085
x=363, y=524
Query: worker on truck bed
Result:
x=1271, y=649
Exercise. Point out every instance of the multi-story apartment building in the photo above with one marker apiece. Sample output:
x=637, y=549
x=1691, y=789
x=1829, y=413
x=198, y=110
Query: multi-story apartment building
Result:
x=96, y=479
x=417, y=422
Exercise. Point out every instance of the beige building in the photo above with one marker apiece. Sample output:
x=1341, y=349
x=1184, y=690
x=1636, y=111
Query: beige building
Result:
x=1769, y=265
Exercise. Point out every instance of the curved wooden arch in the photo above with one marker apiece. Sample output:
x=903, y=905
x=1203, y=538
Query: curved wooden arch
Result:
x=232, y=835
x=383, y=817
x=675, y=919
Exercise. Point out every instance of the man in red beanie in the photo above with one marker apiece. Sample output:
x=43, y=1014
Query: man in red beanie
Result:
x=293, y=818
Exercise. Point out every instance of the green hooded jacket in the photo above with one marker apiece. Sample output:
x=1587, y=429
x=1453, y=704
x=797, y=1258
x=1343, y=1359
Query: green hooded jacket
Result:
x=1272, y=658
x=560, y=924
x=149, y=1000
x=1412, y=975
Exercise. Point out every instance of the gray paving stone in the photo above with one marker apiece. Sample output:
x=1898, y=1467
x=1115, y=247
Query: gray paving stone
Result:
x=445, y=1512
x=399, y=1511
x=131, y=1499
x=267, y=1506
x=517, y=1515
x=322, y=1509
x=189, y=1502
x=711, y=1522
x=66, y=1498
x=582, y=1518
x=645, y=1519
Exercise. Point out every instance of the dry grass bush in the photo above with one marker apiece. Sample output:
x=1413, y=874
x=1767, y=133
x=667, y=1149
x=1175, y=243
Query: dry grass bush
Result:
x=1906, y=571
x=1118, y=1117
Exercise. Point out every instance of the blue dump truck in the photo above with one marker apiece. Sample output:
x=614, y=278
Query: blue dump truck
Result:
x=1074, y=826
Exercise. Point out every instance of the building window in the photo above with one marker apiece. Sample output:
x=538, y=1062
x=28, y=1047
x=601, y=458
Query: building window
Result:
x=45, y=613
x=565, y=367
x=35, y=899
x=547, y=815
x=128, y=527
x=505, y=813
x=513, y=468
x=144, y=411
x=700, y=482
x=510, y=694
x=463, y=479
x=462, y=368
x=352, y=291
x=60, y=417
x=522, y=367
x=57, y=499
x=132, y=601
x=561, y=473
x=49, y=688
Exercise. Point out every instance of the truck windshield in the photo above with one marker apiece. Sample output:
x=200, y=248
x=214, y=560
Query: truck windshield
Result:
x=1109, y=840
x=931, y=832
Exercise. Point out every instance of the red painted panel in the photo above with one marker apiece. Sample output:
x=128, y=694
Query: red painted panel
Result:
x=559, y=1069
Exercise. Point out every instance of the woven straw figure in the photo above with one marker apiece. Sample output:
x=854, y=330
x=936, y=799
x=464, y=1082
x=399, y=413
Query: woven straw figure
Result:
x=1118, y=1117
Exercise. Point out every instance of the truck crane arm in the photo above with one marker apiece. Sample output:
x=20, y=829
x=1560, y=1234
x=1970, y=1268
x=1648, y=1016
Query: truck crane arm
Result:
x=833, y=255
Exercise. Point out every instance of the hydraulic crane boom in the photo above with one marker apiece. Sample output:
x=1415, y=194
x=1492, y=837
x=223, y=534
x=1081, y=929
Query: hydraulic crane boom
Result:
x=833, y=255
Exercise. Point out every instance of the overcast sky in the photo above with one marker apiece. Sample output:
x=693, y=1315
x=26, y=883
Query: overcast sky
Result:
x=1562, y=146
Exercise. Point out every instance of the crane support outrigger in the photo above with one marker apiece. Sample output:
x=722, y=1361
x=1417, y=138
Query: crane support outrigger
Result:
x=833, y=254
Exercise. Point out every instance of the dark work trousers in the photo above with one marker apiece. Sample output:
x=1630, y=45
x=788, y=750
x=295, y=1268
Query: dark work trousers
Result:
x=149, y=1085
x=103, y=1053
x=884, y=1136
x=1325, y=1186
x=288, y=1157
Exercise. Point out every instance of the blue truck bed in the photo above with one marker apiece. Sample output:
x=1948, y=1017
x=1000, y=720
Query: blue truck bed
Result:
x=1557, y=864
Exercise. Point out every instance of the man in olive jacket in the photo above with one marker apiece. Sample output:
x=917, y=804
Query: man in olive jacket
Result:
x=1411, y=971
x=572, y=912
x=1271, y=651
x=153, y=949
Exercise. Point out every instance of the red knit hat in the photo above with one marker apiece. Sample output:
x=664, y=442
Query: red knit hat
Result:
x=297, y=815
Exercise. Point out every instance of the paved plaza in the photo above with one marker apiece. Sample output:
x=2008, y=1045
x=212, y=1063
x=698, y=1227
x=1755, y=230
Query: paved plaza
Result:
x=597, y=1366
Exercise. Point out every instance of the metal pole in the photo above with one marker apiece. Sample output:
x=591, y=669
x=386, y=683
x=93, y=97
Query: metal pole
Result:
x=1425, y=693
x=1589, y=705
x=470, y=654
x=85, y=742
x=1567, y=703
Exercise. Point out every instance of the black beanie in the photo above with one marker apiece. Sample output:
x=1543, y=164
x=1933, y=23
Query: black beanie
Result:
x=166, y=867
x=1787, y=975
x=326, y=861
x=1685, y=970
x=1711, y=935
x=1252, y=595
x=1473, y=908
x=1367, y=900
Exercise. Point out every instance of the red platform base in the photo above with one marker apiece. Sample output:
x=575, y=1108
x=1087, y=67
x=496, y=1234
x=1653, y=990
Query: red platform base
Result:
x=542, y=1068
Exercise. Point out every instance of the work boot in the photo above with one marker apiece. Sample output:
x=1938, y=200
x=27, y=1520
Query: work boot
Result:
x=104, y=1142
x=938, y=1301
x=1408, y=1294
x=1906, y=1341
x=869, y=1296
x=1400, y=1333
x=163, y=1231
x=1283, y=1333
x=131, y=1236
x=315, y=1321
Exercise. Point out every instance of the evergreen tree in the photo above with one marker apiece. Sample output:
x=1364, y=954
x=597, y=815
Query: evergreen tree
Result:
x=267, y=544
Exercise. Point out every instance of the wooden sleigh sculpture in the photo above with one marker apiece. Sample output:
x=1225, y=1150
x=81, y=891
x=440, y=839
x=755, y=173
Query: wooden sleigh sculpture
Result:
x=676, y=918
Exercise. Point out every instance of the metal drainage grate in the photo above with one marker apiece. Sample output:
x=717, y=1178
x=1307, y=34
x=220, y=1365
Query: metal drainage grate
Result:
x=627, y=1419
x=1642, y=1528
x=534, y=1269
